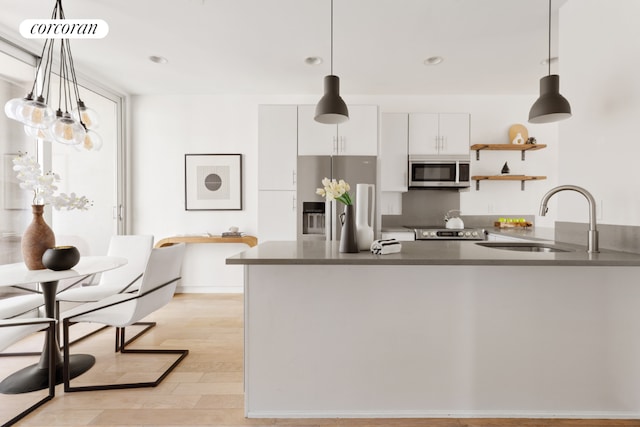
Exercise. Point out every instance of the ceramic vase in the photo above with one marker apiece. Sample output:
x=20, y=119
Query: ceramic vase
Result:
x=349, y=234
x=364, y=218
x=37, y=238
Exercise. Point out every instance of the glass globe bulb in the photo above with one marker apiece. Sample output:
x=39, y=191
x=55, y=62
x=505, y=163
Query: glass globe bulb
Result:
x=86, y=115
x=44, y=134
x=65, y=130
x=92, y=142
x=35, y=113
x=12, y=106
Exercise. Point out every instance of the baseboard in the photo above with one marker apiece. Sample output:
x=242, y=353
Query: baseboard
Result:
x=447, y=414
x=203, y=289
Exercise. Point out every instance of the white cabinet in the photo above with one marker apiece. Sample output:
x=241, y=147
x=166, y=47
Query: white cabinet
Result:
x=356, y=137
x=394, y=138
x=403, y=236
x=445, y=133
x=277, y=147
x=276, y=215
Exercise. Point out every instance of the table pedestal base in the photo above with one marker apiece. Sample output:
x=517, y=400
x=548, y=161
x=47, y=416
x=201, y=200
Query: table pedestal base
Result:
x=33, y=378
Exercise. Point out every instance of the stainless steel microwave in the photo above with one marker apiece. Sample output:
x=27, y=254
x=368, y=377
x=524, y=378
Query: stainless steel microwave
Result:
x=439, y=171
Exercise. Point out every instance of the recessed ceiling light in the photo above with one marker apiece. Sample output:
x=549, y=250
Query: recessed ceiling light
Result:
x=545, y=61
x=313, y=60
x=434, y=60
x=158, y=59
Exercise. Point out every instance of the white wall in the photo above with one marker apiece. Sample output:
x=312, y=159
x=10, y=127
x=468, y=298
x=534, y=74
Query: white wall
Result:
x=599, y=75
x=165, y=128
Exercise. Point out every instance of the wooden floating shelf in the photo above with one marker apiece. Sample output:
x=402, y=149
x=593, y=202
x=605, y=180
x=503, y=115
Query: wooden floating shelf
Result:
x=521, y=178
x=507, y=147
x=168, y=241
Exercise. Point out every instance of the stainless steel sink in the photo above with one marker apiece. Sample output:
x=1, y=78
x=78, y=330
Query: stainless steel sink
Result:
x=523, y=246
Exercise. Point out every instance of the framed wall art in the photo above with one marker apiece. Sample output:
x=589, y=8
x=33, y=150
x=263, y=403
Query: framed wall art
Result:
x=213, y=182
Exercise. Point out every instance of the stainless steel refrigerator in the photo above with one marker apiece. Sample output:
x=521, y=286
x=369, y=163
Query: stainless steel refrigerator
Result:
x=317, y=219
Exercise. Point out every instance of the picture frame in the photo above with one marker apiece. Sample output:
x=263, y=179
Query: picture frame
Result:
x=213, y=182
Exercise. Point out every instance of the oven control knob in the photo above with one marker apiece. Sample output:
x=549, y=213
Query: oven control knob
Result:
x=474, y=233
x=467, y=234
x=460, y=233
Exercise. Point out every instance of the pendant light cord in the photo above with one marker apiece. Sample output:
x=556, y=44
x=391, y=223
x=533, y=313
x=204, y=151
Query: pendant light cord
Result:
x=549, y=57
x=332, y=37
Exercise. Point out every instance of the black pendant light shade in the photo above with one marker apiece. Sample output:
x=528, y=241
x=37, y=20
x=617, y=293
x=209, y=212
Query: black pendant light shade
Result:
x=550, y=106
x=331, y=108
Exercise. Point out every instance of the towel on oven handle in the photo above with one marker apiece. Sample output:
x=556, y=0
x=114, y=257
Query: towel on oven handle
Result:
x=386, y=246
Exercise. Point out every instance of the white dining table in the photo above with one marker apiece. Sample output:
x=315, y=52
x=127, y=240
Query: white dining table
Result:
x=36, y=377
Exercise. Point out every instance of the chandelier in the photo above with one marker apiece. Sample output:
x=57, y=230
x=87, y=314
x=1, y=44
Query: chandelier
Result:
x=72, y=123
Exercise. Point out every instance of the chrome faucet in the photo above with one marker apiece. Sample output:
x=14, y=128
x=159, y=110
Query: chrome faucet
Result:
x=593, y=231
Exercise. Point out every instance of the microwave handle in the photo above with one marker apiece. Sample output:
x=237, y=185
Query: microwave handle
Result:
x=457, y=172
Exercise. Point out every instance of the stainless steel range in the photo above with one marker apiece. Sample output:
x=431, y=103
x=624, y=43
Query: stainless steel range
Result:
x=439, y=233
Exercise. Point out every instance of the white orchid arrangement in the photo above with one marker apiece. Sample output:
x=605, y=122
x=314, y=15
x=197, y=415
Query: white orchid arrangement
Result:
x=335, y=190
x=43, y=185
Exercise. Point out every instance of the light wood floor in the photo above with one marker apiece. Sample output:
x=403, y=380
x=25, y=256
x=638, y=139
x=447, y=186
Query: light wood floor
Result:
x=205, y=390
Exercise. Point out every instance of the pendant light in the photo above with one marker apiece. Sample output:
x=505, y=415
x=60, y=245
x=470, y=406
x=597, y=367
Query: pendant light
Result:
x=550, y=106
x=331, y=108
x=72, y=122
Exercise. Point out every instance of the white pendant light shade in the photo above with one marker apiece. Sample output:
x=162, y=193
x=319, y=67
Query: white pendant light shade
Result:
x=331, y=108
x=551, y=106
x=35, y=113
x=65, y=130
x=86, y=115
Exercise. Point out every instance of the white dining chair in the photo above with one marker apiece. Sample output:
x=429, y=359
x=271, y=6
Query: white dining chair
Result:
x=157, y=288
x=136, y=249
x=12, y=331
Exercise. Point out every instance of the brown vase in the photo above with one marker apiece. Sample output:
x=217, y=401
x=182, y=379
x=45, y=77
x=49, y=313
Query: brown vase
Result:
x=37, y=238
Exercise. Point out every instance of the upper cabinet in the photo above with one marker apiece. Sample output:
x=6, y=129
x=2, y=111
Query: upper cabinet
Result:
x=277, y=147
x=394, y=128
x=445, y=133
x=356, y=137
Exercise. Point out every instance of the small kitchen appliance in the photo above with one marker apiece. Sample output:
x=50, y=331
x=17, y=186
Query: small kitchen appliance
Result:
x=428, y=171
x=439, y=233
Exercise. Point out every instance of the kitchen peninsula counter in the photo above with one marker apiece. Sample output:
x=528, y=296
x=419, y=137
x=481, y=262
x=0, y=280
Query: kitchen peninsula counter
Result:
x=443, y=329
x=426, y=253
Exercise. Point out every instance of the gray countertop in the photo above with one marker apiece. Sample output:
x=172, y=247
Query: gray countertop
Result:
x=426, y=253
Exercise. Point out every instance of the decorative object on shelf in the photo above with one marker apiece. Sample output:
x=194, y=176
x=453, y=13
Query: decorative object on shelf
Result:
x=73, y=126
x=213, y=182
x=60, y=258
x=365, y=213
x=331, y=109
x=551, y=106
x=531, y=141
x=339, y=190
x=38, y=237
x=517, y=132
x=505, y=169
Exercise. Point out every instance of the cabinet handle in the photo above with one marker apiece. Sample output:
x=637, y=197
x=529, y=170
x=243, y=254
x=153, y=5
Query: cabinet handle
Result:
x=437, y=146
x=343, y=143
x=293, y=177
x=335, y=145
x=293, y=199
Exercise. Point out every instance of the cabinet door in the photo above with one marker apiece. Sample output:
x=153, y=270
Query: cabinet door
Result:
x=359, y=135
x=315, y=139
x=277, y=147
x=454, y=133
x=394, y=139
x=423, y=133
x=276, y=215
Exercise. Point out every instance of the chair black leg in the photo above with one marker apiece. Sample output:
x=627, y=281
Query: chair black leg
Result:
x=121, y=344
x=51, y=330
